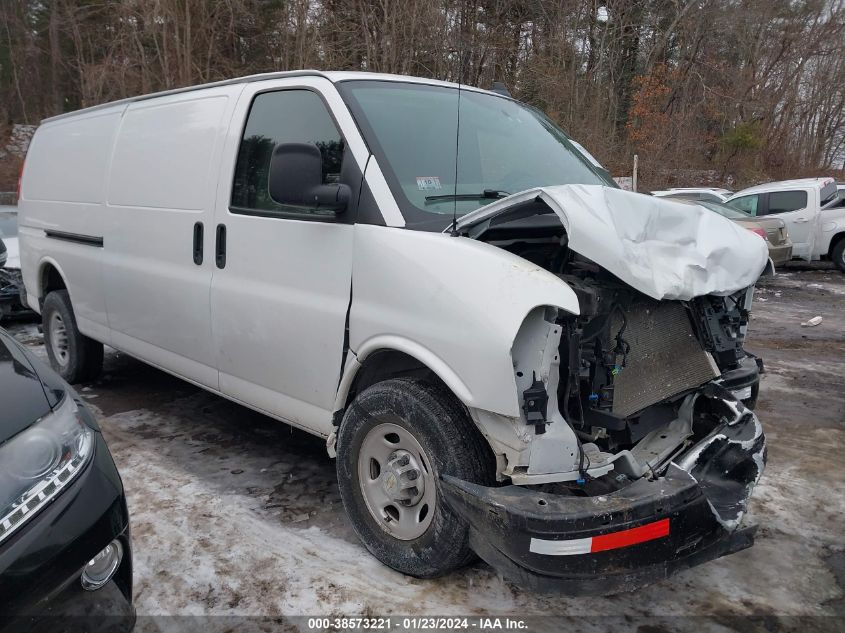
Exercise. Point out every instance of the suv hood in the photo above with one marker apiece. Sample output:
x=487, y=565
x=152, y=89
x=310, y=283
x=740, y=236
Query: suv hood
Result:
x=664, y=249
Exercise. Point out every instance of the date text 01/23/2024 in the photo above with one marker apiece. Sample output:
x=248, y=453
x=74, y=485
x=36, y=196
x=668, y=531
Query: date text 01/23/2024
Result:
x=425, y=623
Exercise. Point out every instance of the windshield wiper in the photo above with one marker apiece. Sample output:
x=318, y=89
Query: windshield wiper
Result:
x=492, y=194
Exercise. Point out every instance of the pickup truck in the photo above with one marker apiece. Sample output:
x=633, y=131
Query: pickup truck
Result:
x=809, y=207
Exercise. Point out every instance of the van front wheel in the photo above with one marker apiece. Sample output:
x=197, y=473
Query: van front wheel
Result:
x=74, y=356
x=395, y=440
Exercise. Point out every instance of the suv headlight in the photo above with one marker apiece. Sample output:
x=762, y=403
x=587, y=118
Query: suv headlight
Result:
x=36, y=464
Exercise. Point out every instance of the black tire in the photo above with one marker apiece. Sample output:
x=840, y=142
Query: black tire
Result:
x=838, y=254
x=82, y=359
x=453, y=445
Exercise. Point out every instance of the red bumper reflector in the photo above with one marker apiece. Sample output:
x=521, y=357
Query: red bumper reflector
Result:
x=641, y=534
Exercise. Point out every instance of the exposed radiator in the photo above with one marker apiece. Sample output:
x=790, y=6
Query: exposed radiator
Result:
x=665, y=359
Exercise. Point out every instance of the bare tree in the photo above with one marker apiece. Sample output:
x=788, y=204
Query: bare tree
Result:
x=742, y=89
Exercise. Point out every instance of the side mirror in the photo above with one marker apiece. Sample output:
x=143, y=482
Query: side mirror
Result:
x=296, y=179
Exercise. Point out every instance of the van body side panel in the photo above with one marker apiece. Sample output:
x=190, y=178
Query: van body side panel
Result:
x=454, y=303
x=61, y=212
x=162, y=182
x=279, y=305
x=279, y=309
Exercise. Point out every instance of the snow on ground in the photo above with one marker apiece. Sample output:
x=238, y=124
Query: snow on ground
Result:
x=234, y=514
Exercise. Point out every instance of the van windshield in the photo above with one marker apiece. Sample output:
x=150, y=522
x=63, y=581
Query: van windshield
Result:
x=503, y=147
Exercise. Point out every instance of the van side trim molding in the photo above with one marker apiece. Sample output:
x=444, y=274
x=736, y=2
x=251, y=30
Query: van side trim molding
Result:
x=79, y=238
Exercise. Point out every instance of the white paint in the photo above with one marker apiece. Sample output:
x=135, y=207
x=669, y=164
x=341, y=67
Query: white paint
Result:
x=665, y=249
x=713, y=194
x=268, y=329
x=165, y=149
x=569, y=547
x=68, y=158
x=162, y=182
x=381, y=192
x=279, y=306
x=453, y=303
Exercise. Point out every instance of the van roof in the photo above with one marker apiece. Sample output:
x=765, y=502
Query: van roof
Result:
x=333, y=76
x=784, y=184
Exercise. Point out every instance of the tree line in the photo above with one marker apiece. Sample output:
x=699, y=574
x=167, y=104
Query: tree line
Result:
x=731, y=91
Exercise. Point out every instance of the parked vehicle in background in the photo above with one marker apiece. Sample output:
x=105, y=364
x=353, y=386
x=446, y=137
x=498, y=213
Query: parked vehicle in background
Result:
x=840, y=188
x=809, y=207
x=771, y=229
x=508, y=354
x=9, y=235
x=706, y=194
x=65, y=551
x=11, y=282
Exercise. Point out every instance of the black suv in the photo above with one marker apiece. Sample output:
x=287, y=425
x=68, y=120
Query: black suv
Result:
x=65, y=552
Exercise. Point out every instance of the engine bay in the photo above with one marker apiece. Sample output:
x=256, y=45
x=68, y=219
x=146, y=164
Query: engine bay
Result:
x=627, y=361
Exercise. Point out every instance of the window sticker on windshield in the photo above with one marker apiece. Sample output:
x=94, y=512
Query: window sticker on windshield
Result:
x=428, y=183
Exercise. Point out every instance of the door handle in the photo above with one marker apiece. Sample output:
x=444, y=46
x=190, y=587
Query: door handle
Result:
x=198, y=235
x=801, y=220
x=220, y=251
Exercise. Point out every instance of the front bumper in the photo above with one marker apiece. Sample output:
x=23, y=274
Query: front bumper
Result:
x=645, y=532
x=41, y=564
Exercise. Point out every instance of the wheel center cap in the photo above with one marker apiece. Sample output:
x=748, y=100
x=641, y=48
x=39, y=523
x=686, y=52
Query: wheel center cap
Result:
x=402, y=479
x=390, y=484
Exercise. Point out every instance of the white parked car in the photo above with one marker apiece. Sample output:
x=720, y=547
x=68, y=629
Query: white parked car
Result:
x=706, y=194
x=551, y=379
x=809, y=207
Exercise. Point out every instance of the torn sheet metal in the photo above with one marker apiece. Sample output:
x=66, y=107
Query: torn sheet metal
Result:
x=664, y=249
x=728, y=463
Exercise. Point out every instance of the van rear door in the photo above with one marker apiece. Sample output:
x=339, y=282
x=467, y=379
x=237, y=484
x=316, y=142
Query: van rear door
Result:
x=159, y=229
x=281, y=285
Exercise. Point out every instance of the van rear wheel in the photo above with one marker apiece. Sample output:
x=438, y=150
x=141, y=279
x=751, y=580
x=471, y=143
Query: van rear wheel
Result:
x=395, y=441
x=74, y=356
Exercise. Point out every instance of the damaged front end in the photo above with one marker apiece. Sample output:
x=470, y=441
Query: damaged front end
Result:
x=642, y=448
x=620, y=531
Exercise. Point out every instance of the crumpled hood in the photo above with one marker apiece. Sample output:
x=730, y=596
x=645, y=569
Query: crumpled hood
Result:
x=664, y=249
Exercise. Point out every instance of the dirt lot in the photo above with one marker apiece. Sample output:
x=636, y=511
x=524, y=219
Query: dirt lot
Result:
x=236, y=514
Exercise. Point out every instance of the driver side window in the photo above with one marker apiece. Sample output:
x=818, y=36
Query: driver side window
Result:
x=284, y=116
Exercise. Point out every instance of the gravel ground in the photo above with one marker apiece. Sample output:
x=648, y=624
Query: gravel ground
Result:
x=234, y=514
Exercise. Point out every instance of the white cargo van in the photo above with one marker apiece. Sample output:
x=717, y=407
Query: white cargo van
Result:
x=810, y=208
x=508, y=354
